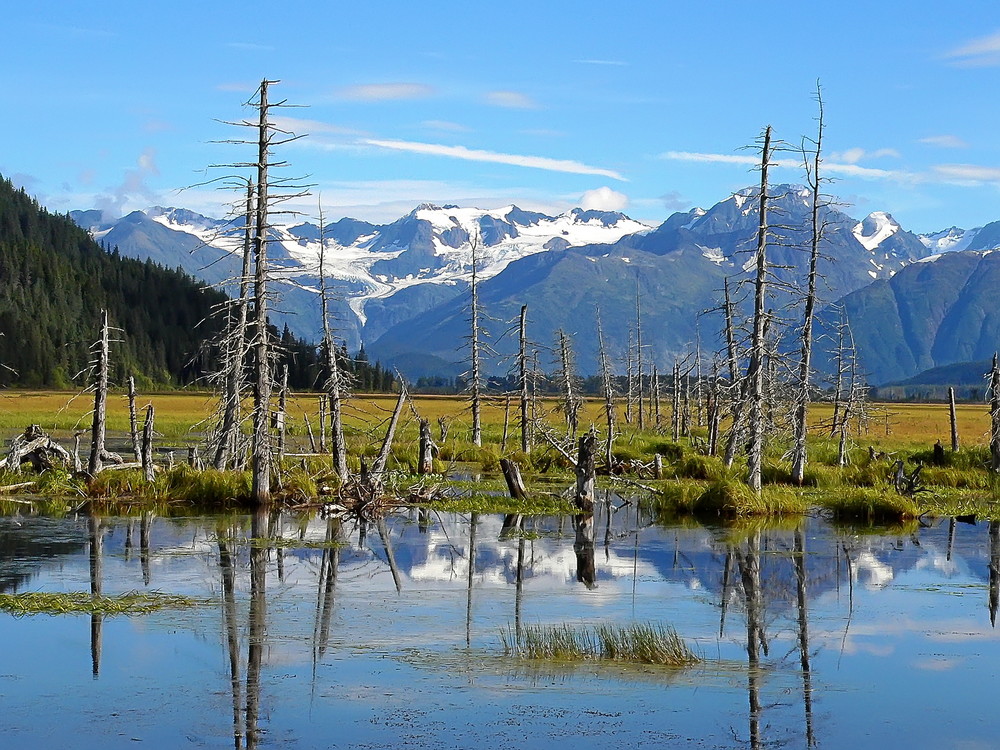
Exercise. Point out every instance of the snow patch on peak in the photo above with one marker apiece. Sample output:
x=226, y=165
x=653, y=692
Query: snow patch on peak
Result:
x=876, y=228
x=952, y=239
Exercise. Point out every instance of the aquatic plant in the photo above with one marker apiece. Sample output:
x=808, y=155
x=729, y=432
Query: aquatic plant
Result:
x=79, y=602
x=638, y=642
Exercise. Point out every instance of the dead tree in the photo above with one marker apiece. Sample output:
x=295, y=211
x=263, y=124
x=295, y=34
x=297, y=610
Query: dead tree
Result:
x=758, y=341
x=736, y=403
x=570, y=401
x=334, y=376
x=607, y=385
x=282, y=412
x=100, y=399
x=475, y=385
x=586, y=472
x=800, y=417
x=147, y=444
x=994, y=391
x=235, y=350
x=522, y=369
x=638, y=355
x=675, y=405
x=425, y=457
x=133, y=422
x=954, y=420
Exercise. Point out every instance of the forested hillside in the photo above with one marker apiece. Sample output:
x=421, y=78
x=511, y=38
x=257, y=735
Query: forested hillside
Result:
x=55, y=280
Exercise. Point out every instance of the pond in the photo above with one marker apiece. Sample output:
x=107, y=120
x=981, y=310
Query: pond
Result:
x=387, y=634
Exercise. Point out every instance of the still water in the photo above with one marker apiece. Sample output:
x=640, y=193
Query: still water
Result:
x=386, y=635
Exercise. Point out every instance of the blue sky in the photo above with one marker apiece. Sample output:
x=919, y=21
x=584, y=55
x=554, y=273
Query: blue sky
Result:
x=642, y=107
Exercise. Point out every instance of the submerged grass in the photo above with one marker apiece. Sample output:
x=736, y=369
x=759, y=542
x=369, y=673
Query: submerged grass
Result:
x=643, y=643
x=79, y=602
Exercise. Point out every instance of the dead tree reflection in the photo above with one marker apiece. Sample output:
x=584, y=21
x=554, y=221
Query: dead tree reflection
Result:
x=144, y=528
x=473, y=522
x=327, y=585
x=583, y=547
x=748, y=560
x=96, y=587
x=257, y=629
x=804, y=659
x=994, y=570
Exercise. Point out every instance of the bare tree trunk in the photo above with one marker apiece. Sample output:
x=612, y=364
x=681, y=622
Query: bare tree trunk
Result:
x=755, y=369
x=383, y=455
x=133, y=420
x=571, y=402
x=586, y=472
x=609, y=393
x=638, y=356
x=522, y=365
x=100, y=400
x=629, y=381
x=800, y=422
x=323, y=399
x=656, y=397
x=260, y=493
x=506, y=423
x=675, y=417
x=235, y=351
x=995, y=416
x=954, y=420
x=736, y=385
x=425, y=461
x=282, y=412
x=148, y=470
x=476, y=395
x=334, y=378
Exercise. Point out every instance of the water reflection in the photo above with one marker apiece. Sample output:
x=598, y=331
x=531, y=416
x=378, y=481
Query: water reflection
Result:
x=812, y=618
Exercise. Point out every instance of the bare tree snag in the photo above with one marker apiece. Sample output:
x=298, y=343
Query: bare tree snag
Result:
x=147, y=444
x=133, y=422
x=607, y=385
x=995, y=416
x=755, y=368
x=334, y=376
x=954, y=420
x=638, y=356
x=512, y=475
x=570, y=400
x=586, y=472
x=100, y=400
x=260, y=492
x=476, y=384
x=800, y=421
x=383, y=455
x=522, y=366
x=235, y=349
x=282, y=412
x=425, y=458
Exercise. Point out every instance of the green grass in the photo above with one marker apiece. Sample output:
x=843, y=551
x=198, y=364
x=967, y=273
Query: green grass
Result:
x=879, y=504
x=636, y=643
x=79, y=602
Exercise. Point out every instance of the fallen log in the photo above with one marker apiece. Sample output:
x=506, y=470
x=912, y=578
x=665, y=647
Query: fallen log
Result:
x=36, y=448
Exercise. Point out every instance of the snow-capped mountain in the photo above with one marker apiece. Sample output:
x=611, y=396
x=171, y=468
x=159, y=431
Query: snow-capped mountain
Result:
x=431, y=247
x=952, y=239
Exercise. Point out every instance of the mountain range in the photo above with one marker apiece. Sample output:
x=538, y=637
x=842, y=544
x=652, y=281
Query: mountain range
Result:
x=401, y=289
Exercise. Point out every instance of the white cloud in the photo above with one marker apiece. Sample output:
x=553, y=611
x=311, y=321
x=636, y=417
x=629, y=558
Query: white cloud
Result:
x=445, y=125
x=377, y=92
x=967, y=173
x=854, y=155
x=979, y=53
x=944, y=141
x=601, y=62
x=603, y=199
x=511, y=100
x=852, y=170
x=517, y=160
x=301, y=126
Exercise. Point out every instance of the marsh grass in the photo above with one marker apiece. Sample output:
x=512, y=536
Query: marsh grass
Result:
x=79, y=602
x=871, y=504
x=637, y=643
x=731, y=498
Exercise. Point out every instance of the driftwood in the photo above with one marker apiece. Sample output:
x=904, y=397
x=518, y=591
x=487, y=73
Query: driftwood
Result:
x=36, y=448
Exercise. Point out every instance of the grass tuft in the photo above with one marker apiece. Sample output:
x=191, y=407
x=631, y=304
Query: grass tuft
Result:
x=638, y=643
x=79, y=602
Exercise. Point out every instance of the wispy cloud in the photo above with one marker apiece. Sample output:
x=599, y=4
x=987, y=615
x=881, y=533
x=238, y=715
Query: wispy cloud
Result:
x=239, y=88
x=302, y=126
x=383, y=92
x=854, y=155
x=971, y=174
x=250, y=47
x=601, y=62
x=445, y=125
x=510, y=100
x=979, y=53
x=944, y=141
x=517, y=160
x=851, y=170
